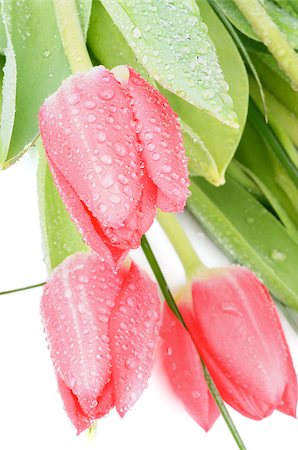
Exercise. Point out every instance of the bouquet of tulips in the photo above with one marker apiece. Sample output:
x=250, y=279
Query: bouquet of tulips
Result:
x=139, y=109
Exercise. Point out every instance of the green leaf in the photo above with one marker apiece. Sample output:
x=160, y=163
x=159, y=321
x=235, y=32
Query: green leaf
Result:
x=275, y=80
x=283, y=122
x=171, y=41
x=269, y=174
x=237, y=172
x=288, y=5
x=209, y=144
x=250, y=234
x=35, y=67
x=219, y=140
x=286, y=22
x=60, y=235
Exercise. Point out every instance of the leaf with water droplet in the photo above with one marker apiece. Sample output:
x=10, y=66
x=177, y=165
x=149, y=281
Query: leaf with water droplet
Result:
x=179, y=52
x=31, y=35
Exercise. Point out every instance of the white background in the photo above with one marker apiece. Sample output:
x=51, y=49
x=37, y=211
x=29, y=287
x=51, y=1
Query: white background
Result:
x=31, y=412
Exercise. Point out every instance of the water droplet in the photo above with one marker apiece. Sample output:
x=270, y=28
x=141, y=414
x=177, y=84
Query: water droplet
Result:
x=101, y=137
x=136, y=33
x=68, y=293
x=46, y=53
x=74, y=98
x=278, y=255
x=107, y=181
x=106, y=159
x=115, y=199
x=102, y=208
x=93, y=403
x=120, y=149
x=196, y=394
x=166, y=169
x=151, y=147
x=107, y=94
x=156, y=156
x=89, y=104
x=81, y=308
x=123, y=179
x=169, y=351
x=148, y=136
x=91, y=118
x=130, y=363
x=228, y=308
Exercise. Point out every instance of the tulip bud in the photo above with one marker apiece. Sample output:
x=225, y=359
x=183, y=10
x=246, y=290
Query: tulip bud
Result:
x=236, y=329
x=102, y=327
x=115, y=151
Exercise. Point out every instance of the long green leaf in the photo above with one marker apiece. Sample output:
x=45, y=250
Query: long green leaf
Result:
x=60, y=235
x=275, y=80
x=35, y=66
x=249, y=234
x=171, y=41
x=209, y=143
x=269, y=174
x=283, y=122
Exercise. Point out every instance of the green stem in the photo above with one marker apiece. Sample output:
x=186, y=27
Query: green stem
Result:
x=184, y=249
x=172, y=305
x=272, y=37
x=12, y=291
x=71, y=33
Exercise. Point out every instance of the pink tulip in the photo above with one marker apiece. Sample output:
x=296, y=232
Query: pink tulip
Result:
x=102, y=328
x=115, y=151
x=236, y=329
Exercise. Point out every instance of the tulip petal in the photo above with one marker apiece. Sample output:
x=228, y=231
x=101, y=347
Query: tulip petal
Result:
x=134, y=328
x=88, y=225
x=76, y=308
x=87, y=133
x=161, y=139
x=74, y=410
x=240, y=337
x=138, y=222
x=106, y=401
x=184, y=369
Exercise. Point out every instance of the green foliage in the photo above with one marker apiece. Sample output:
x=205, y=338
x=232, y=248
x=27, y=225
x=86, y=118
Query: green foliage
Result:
x=249, y=234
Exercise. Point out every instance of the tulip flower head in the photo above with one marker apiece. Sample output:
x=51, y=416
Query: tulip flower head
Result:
x=235, y=326
x=102, y=327
x=115, y=149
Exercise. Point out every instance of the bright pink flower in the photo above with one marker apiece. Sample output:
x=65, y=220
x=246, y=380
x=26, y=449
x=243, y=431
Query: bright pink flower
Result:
x=102, y=328
x=115, y=151
x=236, y=328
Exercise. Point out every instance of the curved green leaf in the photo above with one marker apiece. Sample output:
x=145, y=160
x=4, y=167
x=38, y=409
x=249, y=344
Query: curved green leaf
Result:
x=35, y=67
x=249, y=234
x=60, y=235
x=171, y=41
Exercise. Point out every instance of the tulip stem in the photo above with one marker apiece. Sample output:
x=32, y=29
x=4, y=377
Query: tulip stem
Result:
x=182, y=245
x=71, y=33
x=172, y=305
x=12, y=291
